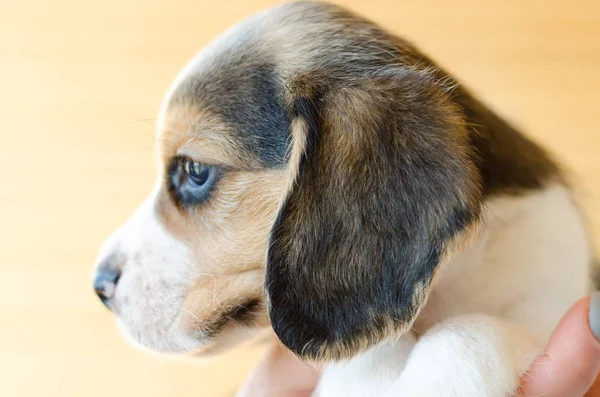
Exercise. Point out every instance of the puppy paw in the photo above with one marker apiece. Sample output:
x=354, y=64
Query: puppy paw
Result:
x=468, y=356
x=369, y=374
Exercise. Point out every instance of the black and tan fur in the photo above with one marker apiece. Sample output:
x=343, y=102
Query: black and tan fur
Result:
x=396, y=160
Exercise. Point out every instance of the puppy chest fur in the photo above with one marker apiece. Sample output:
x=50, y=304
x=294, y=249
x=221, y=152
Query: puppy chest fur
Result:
x=320, y=176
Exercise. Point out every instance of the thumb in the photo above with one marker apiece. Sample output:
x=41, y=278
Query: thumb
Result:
x=280, y=374
x=571, y=360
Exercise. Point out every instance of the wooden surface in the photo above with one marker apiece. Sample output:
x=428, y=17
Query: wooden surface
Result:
x=80, y=82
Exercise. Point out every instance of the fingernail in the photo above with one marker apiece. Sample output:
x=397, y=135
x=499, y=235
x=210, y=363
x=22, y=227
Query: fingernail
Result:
x=595, y=314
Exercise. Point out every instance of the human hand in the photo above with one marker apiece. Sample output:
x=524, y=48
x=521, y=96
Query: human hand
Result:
x=280, y=374
x=570, y=364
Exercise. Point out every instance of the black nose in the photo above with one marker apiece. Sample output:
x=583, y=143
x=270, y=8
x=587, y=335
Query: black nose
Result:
x=105, y=284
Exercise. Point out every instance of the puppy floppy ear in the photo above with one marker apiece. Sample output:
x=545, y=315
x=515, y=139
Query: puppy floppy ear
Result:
x=383, y=183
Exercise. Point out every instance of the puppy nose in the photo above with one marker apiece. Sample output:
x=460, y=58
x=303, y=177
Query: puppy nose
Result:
x=105, y=284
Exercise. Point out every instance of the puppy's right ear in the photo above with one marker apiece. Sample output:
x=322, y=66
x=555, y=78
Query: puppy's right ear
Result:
x=383, y=184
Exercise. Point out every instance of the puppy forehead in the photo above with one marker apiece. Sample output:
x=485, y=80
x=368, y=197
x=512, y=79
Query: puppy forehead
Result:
x=234, y=93
x=243, y=79
x=247, y=100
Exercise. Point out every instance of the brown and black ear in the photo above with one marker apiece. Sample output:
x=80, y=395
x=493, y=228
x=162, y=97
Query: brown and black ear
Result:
x=384, y=184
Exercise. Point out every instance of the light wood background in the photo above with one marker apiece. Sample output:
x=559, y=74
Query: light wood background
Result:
x=80, y=82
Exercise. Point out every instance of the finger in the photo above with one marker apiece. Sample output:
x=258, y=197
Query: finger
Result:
x=595, y=389
x=280, y=374
x=571, y=361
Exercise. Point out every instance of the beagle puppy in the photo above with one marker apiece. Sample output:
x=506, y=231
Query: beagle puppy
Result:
x=321, y=176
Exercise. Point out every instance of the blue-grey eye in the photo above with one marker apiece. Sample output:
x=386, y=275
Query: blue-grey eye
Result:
x=196, y=172
x=191, y=182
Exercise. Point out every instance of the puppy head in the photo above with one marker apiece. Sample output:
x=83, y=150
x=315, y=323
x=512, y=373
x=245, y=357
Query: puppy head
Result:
x=308, y=148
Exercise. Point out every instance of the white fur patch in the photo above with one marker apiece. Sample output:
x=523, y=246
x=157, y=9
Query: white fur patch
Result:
x=369, y=374
x=157, y=273
x=473, y=355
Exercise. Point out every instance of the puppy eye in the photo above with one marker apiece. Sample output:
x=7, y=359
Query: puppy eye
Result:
x=191, y=182
x=196, y=172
